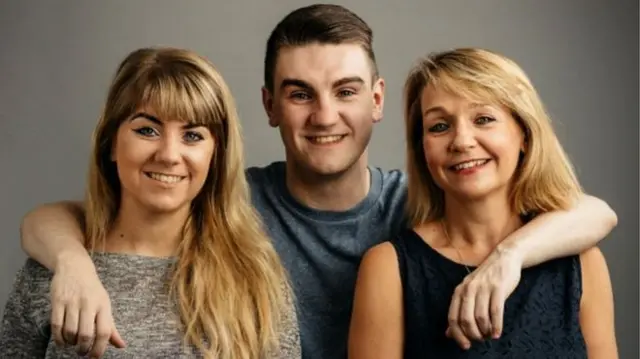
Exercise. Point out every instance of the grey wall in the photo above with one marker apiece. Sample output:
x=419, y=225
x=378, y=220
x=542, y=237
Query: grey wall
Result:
x=56, y=59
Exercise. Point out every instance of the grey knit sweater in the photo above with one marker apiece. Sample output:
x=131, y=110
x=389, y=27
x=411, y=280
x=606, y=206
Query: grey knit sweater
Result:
x=142, y=310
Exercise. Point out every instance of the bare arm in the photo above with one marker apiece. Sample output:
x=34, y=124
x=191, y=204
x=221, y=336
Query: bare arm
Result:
x=596, y=307
x=377, y=322
x=548, y=236
x=52, y=234
x=562, y=233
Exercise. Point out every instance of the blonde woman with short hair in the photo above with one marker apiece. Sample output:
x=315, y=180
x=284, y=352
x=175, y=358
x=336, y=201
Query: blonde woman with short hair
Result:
x=483, y=160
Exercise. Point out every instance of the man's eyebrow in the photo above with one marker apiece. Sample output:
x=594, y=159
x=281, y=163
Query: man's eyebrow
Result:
x=294, y=82
x=348, y=80
x=304, y=85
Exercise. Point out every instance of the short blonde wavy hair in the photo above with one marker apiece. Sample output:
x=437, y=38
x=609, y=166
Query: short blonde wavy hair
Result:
x=545, y=180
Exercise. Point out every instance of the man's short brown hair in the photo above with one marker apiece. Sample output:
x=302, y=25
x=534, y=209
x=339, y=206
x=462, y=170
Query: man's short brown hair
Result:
x=322, y=24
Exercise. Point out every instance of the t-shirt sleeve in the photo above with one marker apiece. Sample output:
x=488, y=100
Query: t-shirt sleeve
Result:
x=24, y=333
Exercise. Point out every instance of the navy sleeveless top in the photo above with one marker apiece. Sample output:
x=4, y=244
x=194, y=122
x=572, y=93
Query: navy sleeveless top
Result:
x=541, y=317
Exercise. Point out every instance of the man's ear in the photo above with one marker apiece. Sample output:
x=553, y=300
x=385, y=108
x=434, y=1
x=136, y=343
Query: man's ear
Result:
x=267, y=103
x=378, y=99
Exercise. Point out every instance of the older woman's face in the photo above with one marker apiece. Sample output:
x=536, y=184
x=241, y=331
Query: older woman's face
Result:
x=471, y=149
x=162, y=163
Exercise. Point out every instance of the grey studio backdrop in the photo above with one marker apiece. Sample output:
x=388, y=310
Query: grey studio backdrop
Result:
x=57, y=58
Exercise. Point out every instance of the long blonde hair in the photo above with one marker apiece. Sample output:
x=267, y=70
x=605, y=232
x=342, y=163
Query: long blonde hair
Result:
x=228, y=283
x=545, y=180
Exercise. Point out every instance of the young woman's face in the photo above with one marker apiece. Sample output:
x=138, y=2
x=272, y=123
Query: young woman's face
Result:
x=472, y=149
x=162, y=163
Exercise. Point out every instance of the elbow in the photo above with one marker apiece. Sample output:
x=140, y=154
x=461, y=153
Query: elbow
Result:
x=604, y=214
x=609, y=216
x=26, y=228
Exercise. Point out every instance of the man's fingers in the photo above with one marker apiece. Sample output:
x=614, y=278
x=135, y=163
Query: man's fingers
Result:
x=86, y=330
x=103, y=332
x=116, y=340
x=454, y=307
x=496, y=310
x=114, y=336
x=57, y=322
x=454, y=331
x=70, y=328
x=467, y=314
x=482, y=315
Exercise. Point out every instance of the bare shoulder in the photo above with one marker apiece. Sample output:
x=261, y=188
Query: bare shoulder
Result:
x=379, y=273
x=376, y=322
x=379, y=258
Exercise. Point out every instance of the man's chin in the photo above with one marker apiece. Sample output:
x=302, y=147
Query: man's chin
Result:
x=327, y=169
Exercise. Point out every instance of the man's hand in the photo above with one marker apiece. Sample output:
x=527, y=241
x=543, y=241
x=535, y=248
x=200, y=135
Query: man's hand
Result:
x=477, y=306
x=81, y=309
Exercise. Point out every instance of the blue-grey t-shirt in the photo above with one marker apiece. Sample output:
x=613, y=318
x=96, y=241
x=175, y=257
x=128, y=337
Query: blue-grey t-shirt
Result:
x=322, y=250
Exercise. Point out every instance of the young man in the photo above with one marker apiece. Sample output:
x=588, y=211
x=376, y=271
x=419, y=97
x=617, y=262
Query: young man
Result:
x=324, y=206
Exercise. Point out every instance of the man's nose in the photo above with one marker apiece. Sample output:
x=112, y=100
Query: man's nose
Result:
x=325, y=113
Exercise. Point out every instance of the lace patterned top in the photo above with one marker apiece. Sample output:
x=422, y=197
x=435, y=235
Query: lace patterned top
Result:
x=143, y=313
x=541, y=317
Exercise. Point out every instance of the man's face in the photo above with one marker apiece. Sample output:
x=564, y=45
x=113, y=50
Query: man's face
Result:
x=325, y=105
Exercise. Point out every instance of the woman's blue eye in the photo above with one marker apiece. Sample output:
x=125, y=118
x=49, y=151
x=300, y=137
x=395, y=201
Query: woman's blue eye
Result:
x=145, y=131
x=439, y=127
x=193, y=137
x=484, y=119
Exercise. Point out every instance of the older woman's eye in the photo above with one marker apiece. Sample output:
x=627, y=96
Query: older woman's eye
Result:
x=482, y=120
x=439, y=127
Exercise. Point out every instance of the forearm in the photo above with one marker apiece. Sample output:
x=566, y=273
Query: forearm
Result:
x=562, y=233
x=53, y=232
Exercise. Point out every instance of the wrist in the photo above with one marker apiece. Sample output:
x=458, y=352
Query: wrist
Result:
x=514, y=251
x=68, y=261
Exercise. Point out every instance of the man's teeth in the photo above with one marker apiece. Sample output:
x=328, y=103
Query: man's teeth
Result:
x=325, y=139
x=164, y=178
x=469, y=164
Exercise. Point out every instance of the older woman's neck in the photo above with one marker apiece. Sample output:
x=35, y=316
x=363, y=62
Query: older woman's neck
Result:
x=482, y=224
x=147, y=233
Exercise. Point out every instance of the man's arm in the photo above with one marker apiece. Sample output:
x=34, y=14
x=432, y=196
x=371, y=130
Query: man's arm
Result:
x=546, y=237
x=562, y=233
x=53, y=233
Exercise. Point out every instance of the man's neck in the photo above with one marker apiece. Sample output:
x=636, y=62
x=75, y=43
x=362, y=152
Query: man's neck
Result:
x=140, y=232
x=336, y=193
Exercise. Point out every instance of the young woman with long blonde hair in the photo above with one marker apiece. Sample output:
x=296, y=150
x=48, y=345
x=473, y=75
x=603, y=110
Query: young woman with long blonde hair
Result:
x=170, y=228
